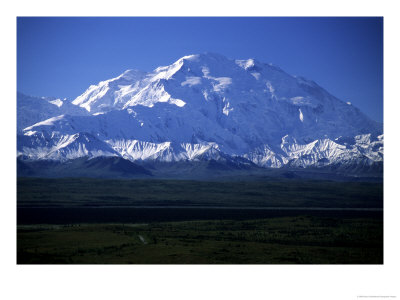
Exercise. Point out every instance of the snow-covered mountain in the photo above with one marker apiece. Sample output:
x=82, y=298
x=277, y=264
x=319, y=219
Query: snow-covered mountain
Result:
x=204, y=107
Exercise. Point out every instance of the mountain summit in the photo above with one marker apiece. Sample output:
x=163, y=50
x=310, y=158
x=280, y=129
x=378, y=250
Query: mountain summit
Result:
x=205, y=107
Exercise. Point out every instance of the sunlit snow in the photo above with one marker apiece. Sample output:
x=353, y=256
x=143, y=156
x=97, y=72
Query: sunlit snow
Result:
x=300, y=115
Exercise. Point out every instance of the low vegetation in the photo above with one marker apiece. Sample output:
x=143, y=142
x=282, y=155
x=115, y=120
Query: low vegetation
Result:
x=287, y=240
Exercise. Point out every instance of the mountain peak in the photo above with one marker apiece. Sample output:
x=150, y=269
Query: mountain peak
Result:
x=132, y=74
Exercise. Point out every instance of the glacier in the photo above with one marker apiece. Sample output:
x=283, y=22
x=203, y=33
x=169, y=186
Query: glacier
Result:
x=201, y=107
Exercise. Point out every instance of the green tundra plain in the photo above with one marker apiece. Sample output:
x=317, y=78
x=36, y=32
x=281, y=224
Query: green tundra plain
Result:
x=99, y=221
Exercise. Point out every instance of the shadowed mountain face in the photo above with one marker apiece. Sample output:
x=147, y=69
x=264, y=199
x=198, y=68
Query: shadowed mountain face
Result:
x=206, y=108
x=100, y=167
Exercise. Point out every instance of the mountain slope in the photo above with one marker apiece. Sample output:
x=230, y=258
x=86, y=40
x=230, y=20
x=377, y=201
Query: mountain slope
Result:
x=31, y=110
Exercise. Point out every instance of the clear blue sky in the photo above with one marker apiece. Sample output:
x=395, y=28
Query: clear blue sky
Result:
x=61, y=57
